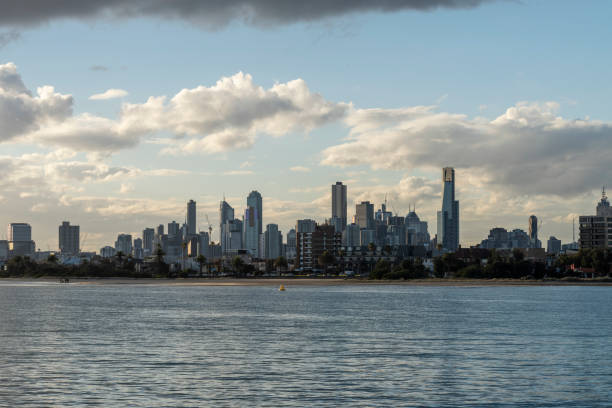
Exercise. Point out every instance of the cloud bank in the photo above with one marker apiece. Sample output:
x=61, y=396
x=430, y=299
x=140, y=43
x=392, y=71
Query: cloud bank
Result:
x=209, y=13
x=109, y=94
x=527, y=150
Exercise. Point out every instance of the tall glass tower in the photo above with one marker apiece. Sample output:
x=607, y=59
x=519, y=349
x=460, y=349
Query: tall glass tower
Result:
x=191, y=218
x=338, y=203
x=448, y=217
x=253, y=223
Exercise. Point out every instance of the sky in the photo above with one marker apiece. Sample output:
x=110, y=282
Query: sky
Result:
x=113, y=114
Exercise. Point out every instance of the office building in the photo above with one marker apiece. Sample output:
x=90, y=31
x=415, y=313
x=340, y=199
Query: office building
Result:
x=232, y=236
x=69, y=238
x=191, y=218
x=273, y=242
x=174, y=229
x=364, y=215
x=305, y=225
x=205, y=244
x=351, y=236
x=107, y=252
x=226, y=217
x=553, y=246
x=20, y=239
x=338, y=205
x=448, y=217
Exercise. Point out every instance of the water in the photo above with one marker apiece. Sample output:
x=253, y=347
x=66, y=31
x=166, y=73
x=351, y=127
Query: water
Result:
x=168, y=346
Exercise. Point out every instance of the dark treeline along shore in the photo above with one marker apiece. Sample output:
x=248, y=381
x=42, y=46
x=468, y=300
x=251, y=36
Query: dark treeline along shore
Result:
x=482, y=264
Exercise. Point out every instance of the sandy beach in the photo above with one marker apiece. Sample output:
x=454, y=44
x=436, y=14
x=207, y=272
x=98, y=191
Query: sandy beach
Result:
x=288, y=282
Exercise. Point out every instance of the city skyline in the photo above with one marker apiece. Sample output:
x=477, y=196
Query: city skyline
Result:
x=136, y=126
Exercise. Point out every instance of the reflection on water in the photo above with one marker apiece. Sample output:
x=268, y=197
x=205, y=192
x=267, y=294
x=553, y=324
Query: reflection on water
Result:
x=154, y=346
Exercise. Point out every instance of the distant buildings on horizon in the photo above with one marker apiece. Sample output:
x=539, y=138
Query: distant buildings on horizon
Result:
x=246, y=236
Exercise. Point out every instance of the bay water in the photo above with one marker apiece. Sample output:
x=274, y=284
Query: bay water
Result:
x=320, y=346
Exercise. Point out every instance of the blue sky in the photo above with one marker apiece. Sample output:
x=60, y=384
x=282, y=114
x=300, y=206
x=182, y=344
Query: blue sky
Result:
x=475, y=62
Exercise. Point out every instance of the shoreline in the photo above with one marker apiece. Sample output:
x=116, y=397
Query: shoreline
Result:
x=289, y=281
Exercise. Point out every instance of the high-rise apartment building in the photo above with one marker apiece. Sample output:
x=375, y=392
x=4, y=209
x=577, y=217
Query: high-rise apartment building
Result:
x=252, y=223
x=191, y=218
x=205, y=244
x=68, y=238
x=311, y=245
x=533, y=232
x=596, y=231
x=364, y=215
x=553, y=246
x=448, y=217
x=148, y=236
x=338, y=204
x=124, y=244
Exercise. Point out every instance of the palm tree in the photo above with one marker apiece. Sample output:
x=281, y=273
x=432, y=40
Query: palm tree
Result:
x=201, y=260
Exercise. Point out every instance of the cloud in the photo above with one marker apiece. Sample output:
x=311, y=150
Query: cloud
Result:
x=528, y=149
x=21, y=112
x=229, y=115
x=212, y=14
x=300, y=169
x=8, y=36
x=109, y=94
x=98, y=68
x=239, y=173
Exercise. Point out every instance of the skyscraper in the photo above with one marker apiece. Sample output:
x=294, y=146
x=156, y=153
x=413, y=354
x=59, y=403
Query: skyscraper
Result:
x=364, y=215
x=191, y=218
x=338, y=203
x=533, y=232
x=448, y=217
x=69, y=238
x=252, y=223
x=226, y=213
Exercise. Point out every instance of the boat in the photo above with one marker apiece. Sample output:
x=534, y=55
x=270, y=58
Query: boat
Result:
x=281, y=288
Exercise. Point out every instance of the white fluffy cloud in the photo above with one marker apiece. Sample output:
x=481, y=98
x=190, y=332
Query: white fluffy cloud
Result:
x=109, y=94
x=227, y=116
x=528, y=149
x=21, y=112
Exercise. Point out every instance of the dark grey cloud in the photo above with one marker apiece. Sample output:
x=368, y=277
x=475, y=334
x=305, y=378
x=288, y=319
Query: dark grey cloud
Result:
x=211, y=13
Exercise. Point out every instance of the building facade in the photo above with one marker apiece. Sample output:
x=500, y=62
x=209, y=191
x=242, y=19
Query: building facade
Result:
x=252, y=223
x=448, y=216
x=69, y=238
x=338, y=205
x=364, y=215
x=596, y=230
x=191, y=218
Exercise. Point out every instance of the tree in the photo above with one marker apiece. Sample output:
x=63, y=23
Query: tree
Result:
x=52, y=259
x=238, y=266
x=371, y=247
x=382, y=268
x=326, y=259
x=201, y=260
x=120, y=255
x=280, y=263
x=518, y=255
